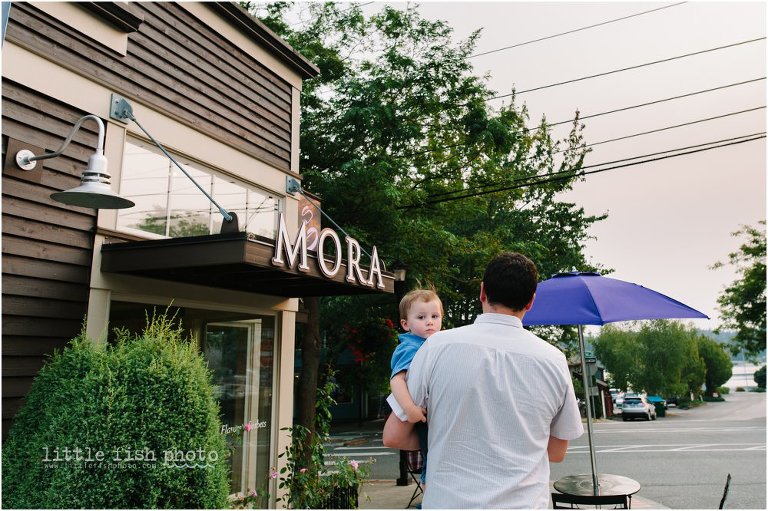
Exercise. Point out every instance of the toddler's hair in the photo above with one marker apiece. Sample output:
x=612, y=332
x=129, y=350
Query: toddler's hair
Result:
x=418, y=295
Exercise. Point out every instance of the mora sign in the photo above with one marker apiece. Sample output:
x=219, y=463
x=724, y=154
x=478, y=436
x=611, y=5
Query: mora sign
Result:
x=298, y=251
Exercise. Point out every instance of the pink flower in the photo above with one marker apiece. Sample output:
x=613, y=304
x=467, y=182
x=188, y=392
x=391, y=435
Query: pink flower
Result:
x=354, y=464
x=302, y=470
x=253, y=493
x=248, y=427
x=273, y=475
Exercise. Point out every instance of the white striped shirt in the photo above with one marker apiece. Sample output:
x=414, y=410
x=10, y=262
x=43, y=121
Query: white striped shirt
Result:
x=494, y=393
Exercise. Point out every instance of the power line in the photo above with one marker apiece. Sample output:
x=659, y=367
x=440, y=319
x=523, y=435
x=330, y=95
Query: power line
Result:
x=671, y=127
x=627, y=68
x=655, y=102
x=622, y=160
x=581, y=118
x=573, y=31
x=564, y=175
x=571, y=173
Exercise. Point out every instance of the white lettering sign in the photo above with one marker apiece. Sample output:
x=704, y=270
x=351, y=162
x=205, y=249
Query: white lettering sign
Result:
x=284, y=249
x=328, y=233
x=284, y=244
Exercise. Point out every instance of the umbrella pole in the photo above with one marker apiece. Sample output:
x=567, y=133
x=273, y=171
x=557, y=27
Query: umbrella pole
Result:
x=585, y=381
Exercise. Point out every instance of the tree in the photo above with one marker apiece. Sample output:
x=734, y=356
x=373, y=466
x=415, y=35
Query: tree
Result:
x=400, y=144
x=618, y=350
x=718, y=363
x=665, y=348
x=743, y=304
x=661, y=357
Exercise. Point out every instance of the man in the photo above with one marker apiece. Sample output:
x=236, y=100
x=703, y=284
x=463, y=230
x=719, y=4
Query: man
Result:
x=500, y=402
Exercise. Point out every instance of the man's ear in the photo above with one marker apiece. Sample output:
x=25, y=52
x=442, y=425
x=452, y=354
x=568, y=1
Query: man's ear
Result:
x=530, y=304
x=483, y=296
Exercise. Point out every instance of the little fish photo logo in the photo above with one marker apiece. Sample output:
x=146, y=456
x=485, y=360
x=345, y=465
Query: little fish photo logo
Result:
x=127, y=458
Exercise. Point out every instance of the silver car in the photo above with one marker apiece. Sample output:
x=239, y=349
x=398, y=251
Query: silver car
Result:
x=637, y=407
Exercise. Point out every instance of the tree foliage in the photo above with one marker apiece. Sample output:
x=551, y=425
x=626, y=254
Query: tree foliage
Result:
x=396, y=136
x=719, y=365
x=662, y=357
x=743, y=303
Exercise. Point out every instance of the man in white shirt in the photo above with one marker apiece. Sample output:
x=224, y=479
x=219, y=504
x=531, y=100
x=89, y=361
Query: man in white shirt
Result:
x=500, y=402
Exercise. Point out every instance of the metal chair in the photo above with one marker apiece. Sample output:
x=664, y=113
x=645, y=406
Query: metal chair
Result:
x=573, y=501
x=725, y=491
x=415, y=465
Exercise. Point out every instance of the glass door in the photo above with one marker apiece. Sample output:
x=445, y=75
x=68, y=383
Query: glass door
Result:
x=241, y=358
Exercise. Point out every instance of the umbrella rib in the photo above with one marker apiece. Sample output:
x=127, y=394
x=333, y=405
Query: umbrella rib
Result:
x=594, y=302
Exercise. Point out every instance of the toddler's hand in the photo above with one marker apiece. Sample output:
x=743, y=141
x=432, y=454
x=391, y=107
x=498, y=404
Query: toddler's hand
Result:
x=416, y=414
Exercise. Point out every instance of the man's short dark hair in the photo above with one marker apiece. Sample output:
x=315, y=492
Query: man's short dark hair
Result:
x=510, y=279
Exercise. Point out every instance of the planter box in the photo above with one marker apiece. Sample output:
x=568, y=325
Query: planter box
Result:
x=342, y=498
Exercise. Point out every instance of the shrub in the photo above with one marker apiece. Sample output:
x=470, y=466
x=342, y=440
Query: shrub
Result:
x=723, y=390
x=739, y=389
x=759, y=377
x=136, y=409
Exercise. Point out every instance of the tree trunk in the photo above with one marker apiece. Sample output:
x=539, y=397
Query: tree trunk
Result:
x=310, y=368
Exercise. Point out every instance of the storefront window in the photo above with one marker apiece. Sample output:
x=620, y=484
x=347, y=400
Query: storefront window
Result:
x=169, y=204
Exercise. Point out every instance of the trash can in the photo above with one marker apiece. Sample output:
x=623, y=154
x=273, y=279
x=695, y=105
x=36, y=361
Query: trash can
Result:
x=660, y=410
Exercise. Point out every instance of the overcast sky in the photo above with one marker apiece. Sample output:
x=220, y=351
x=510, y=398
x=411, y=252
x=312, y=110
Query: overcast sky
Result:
x=671, y=220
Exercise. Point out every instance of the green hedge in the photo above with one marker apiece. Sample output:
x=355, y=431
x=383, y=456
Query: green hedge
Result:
x=150, y=394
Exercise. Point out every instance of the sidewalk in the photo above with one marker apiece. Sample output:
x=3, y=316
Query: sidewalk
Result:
x=387, y=495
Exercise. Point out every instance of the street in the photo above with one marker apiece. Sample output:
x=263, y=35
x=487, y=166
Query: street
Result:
x=680, y=460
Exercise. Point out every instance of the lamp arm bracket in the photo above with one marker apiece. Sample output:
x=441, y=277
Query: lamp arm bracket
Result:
x=122, y=110
x=27, y=159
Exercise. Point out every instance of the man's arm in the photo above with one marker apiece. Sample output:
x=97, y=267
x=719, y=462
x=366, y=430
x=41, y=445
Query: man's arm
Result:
x=400, y=391
x=556, y=449
x=399, y=434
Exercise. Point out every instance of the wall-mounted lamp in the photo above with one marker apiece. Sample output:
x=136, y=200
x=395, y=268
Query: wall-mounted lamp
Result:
x=122, y=111
x=94, y=190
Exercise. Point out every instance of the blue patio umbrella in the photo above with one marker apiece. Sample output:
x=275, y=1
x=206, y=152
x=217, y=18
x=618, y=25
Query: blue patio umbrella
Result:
x=585, y=298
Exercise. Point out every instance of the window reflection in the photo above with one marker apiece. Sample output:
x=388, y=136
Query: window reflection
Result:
x=169, y=204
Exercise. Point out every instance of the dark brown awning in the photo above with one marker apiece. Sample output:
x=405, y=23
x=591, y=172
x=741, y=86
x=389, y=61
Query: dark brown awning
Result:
x=237, y=261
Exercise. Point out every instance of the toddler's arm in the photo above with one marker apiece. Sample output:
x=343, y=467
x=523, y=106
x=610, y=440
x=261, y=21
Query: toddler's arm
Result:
x=400, y=391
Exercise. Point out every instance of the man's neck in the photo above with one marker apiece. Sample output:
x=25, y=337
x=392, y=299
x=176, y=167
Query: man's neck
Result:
x=501, y=309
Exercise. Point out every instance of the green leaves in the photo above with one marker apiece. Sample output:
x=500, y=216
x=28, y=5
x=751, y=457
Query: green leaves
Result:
x=743, y=303
x=662, y=357
x=148, y=394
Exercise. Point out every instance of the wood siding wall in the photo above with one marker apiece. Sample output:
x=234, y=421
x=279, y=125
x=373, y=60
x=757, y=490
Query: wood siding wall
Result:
x=177, y=66
x=180, y=67
x=47, y=247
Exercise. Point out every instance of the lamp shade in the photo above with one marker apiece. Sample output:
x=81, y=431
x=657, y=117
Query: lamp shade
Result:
x=93, y=195
x=94, y=190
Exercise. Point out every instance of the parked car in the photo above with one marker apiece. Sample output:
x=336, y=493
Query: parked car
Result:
x=637, y=407
x=654, y=400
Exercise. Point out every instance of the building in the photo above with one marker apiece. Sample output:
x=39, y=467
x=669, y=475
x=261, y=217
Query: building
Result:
x=221, y=93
